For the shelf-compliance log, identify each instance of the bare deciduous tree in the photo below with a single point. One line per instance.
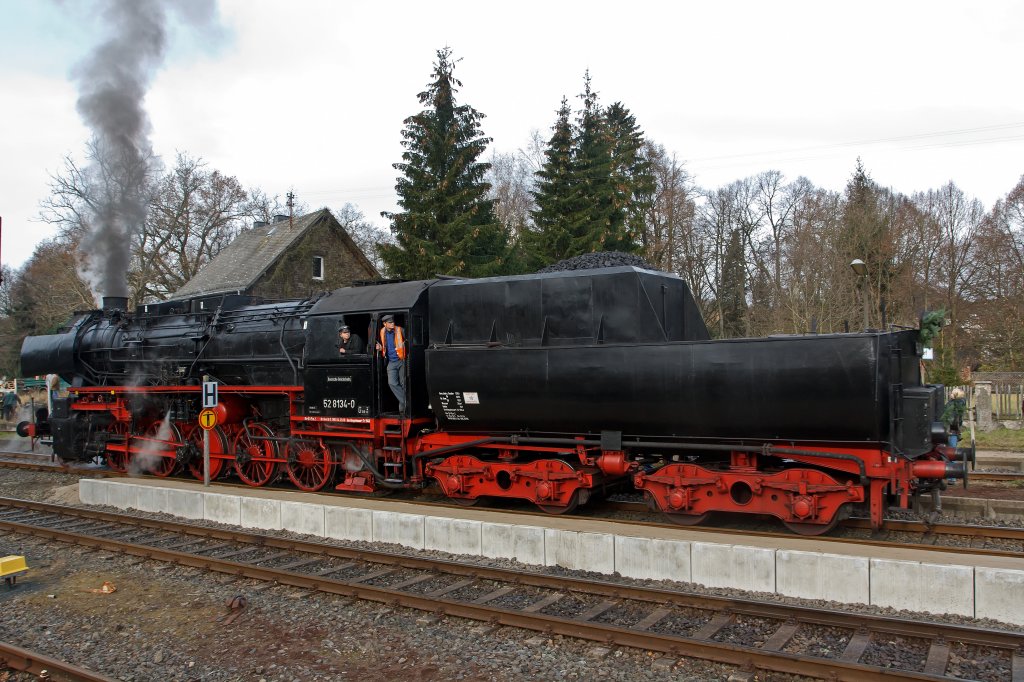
(193, 214)
(367, 235)
(512, 177)
(668, 224)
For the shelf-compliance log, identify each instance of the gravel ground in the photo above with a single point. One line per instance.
(167, 617)
(166, 622)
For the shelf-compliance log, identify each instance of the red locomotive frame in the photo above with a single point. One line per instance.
(815, 490)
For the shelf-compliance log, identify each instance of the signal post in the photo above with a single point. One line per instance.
(208, 421)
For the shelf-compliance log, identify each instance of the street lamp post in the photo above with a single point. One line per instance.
(860, 268)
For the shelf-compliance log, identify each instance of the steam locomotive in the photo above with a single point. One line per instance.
(551, 388)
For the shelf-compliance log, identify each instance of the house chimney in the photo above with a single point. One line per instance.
(280, 218)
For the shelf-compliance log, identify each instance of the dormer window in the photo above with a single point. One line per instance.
(318, 267)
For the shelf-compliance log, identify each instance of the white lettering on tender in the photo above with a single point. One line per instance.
(452, 406)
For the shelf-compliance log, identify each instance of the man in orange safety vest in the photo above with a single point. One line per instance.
(392, 348)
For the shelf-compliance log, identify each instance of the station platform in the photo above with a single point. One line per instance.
(917, 580)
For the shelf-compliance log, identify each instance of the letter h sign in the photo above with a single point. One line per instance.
(209, 394)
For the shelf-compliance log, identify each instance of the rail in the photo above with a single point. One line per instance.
(672, 622)
(45, 667)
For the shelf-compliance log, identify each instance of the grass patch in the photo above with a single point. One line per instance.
(1000, 439)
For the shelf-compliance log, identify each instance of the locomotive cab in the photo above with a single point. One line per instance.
(337, 384)
(349, 385)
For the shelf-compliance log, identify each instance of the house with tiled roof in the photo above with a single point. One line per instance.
(287, 258)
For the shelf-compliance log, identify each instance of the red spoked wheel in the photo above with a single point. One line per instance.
(118, 461)
(158, 450)
(310, 466)
(218, 452)
(256, 458)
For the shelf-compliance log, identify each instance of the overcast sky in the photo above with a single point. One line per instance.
(311, 96)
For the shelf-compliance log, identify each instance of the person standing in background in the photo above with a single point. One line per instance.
(10, 404)
(52, 391)
(953, 415)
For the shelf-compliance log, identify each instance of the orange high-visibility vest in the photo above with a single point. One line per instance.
(399, 342)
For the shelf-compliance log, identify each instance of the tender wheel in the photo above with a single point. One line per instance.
(555, 510)
(256, 459)
(218, 452)
(681, 519)
(158, 454)
(811, 529)
(466, 501)
(844, 512)
(309, 466)
(118, 461)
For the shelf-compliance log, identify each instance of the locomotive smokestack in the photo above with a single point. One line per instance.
(115, 303)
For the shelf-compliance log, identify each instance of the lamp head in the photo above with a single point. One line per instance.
(859, 267)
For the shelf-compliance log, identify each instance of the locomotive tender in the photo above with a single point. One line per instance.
(548, 387)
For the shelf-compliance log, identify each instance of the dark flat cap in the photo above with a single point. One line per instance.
(388, 318)
(344, 328)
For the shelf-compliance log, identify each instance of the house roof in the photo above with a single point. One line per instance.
(242, 262)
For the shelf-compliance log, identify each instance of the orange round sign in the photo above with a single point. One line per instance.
(208, 419)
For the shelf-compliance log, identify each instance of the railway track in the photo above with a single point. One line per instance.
(930, 534)
(997, 476)
(751, 634)
(44, 667)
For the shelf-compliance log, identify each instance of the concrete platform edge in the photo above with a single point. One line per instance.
(965, 590)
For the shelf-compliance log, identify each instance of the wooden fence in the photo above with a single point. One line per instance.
(1007, 400)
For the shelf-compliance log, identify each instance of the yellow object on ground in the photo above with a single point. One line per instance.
(11, 567)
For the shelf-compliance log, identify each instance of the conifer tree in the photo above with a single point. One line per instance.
(865, 233)
(447, 225)
(595, 185)
(733, 292)
(632, 175)
(605, 226)
(558, 214)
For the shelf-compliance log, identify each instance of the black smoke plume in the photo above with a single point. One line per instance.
(113, 81)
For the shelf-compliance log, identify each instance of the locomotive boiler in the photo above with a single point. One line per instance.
(551, 388)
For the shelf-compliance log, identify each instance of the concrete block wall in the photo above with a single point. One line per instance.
(915, 586)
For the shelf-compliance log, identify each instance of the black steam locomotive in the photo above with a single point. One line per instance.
(548, 387)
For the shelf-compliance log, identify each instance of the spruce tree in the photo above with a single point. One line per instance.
(595, 184)
(632, 175)
(447, 225)
(865, 232)
(733, 293)
(558, 216)
(604, 228)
